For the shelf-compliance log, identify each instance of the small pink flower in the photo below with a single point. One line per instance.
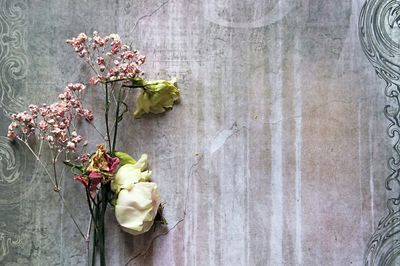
(94, 80)
(13, 126)
(62, 137)
(77, 139)
(84, 158)
(88, 114)
(56, 131)
(75, 87)
(44, 111)
(11, 135)
(100, 60)
(33, 108)
(62, 125)
(114, 50)
(128, 55)
(99, 41)
(124, 67)
(141, 59)
(71, 146)
(83, 53)
(113, 71)
(43, 125)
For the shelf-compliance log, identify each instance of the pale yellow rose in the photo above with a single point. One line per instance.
(129, 174)
(157, 96)
(137, 207)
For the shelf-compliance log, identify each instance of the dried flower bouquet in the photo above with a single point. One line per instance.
(108, 176)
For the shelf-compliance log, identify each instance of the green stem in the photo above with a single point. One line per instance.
(115, 80)
(99, 228)
(116, 122)
(89, 200)
(104, 201)
(94, 246)
(56, 187)
(134, 86)
(107, 107)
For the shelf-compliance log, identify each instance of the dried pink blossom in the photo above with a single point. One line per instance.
(11, 135)
(77, 139)
(108, 55)
(52, 123)
(84, 158)
(71, 146)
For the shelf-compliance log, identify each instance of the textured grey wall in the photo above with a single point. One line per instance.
(276, 152)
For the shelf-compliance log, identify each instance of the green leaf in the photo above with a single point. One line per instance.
(74, 166)
(124, 158)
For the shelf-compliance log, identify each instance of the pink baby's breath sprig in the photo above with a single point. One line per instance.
(110, 59)
(53, 123)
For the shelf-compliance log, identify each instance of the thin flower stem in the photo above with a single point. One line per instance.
(70, 214)
(40, 147)
(97, 130)
(38, 159)
(56, 187)
(133, 86)
(114, 80)
(113, 93)
(107, 107)
(89, 228)
(87, 240)
(93, 200)
(116, 121)
(94, 246)
(102, 227)
(54, 184)
(58, 190)
(126, 97)
(62, 175)
(96, 230)
(90, 202)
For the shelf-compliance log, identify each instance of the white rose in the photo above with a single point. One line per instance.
(137, 207)
(129, 174)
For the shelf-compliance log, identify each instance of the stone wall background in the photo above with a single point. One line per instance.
(276, 154)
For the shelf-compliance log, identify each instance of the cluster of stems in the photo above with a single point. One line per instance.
(98, 204)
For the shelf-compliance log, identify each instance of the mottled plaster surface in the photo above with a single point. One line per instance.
(275, 155)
